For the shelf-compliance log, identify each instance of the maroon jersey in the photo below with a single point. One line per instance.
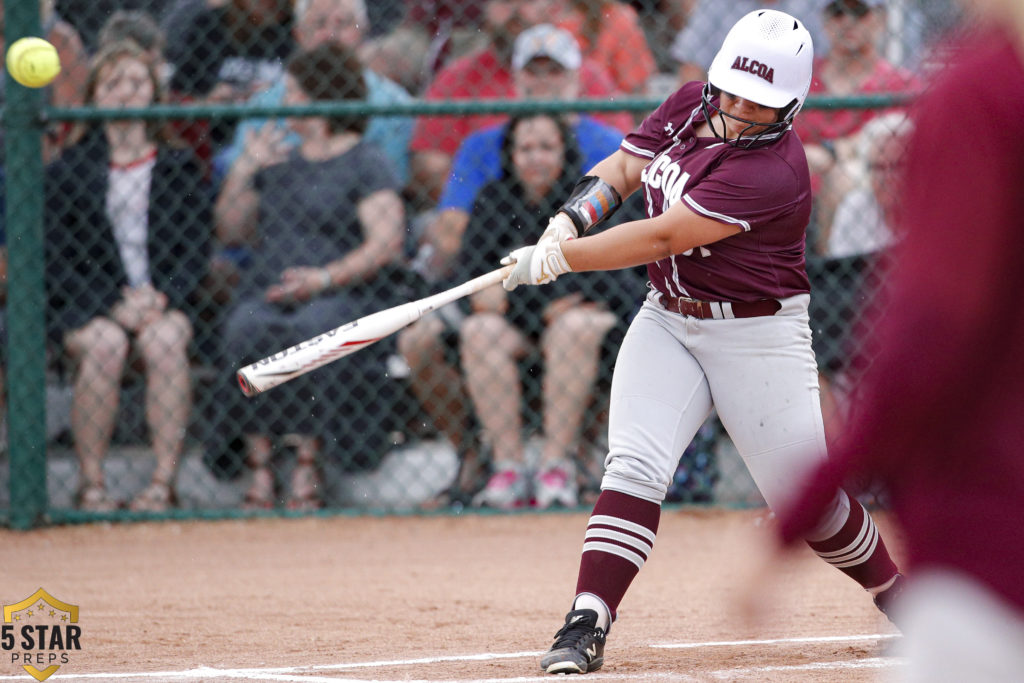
(941, 416)
(766, 191)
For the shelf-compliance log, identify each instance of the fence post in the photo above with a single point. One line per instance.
(26, 297)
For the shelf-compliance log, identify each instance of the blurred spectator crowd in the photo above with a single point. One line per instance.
(178, 251)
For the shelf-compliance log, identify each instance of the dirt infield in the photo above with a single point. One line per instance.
(430, 598)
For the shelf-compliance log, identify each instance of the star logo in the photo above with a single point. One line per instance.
(30, 634)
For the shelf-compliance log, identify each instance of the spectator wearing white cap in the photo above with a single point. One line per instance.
(546, 40)
(546, 63)
(853, 66)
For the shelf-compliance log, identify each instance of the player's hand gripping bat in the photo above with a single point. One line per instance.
(349, 338)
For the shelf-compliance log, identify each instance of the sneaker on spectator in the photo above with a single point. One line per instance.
(505, 490)
(556, 485)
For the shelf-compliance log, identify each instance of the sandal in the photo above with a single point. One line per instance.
(305, 484)
(94, 498)
(305, 494)
(159, 496)
(261, 494)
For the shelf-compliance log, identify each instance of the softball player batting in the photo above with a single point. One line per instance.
(724, 325)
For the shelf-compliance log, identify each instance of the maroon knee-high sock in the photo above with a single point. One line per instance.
(619, 539)
(857, 549)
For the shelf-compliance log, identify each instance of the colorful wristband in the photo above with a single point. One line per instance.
(592, 201)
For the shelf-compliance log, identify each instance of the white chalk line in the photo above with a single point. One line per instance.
(776, 641)
(291, 674)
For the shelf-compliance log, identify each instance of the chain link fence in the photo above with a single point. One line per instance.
(287, 166)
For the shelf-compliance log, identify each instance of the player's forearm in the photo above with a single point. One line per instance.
(623, 246)
(640, 242)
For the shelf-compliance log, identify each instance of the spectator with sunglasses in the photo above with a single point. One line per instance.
(848, 279)
(853, 65)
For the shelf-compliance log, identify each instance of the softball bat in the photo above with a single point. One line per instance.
(345, 340)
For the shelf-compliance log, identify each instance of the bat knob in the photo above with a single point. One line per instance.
(247, 388)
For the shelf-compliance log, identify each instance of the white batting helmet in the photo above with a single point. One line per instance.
(766, 58)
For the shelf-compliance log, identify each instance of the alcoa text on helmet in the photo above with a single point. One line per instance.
(765, 58)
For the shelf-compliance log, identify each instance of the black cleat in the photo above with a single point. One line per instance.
(579, 645)
(890, 597)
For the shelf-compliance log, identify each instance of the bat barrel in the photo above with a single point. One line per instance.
(330, 346)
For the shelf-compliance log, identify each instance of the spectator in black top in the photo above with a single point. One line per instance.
(127, 234)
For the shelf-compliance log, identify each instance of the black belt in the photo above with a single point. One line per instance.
(720, 310)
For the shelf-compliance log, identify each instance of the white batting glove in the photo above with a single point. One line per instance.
(537, 265)
(560, 227)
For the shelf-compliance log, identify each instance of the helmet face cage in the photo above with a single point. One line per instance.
(769, 134)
